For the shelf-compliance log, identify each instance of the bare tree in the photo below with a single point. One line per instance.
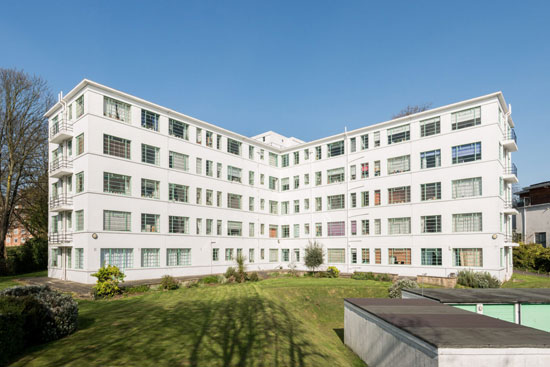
(24, 99)
(410, 110)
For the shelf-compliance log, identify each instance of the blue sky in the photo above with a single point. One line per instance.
(303, 69)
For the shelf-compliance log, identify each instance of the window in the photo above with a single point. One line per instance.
(115, 184)
(318, 229)
(430, 191)
(218, 170)
(467, 222)
(79, 178)
(80, 144)
(399, 164)
(251, 255)
(150, 222)
(318, 178)
(430, 127)
(215, 254)
(149, 154)
(178, 129)
(233, 146)
(353, 228)
(376, 139)
(399, 225)
(336, 229)
(318, 153)
(306, 204)
(273, 205)
(273, 161)
(79, 218)
(178, 161)
(234, 201)
(364, 199)
(273, 231)
(376, 168)
(467, 153)
(466, 118)
(306, 154)
(335, 175)
(296, 257)
(296, 206)
(251, 204)
(199, 196)
(150, 189)
(285, 230)
(399, 134)
(117, 147)
(198, 135)
(306, 229)
(377, 197)
(273, 255)
(318, 204)
(233, 174)
(209, 197)
(234, 228)
(296, 231)
(218, 141)
(150, 257)
(116, 109)
(540, 238)
(79, 258)
(335, 149)
(431, 256)
(365, 256)
(219, 227)
(250, 229)
(353, 199)
(336, 255)
(430, 159)
(285, 160)
(296, 182)
(123, 258)
(228, 254)
(284, 207)
(251, 177)
(178, 192)
(352, 172)
(198, 166)
(285, 184)
(353, 145)
(178, 224)
(209, 168)
(209, 139)
(430, 224)
(399, 256)
(79, 106)
(399, 195)
(182, 256)
(467, 187)
(365, 227)
(335, 202)
(116, 221)
(273, 183)
(468, 257)
(364, 170)
(149, 120)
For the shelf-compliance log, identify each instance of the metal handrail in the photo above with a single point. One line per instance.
(59, 200)
(511, 135)
(60, 126)
(60, 163)
(60, 237)
(511, 170)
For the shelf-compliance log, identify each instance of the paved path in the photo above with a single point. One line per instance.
(79, 289)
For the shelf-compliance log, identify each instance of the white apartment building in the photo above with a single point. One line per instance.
(157, 192)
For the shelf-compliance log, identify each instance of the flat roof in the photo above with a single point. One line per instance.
(486, 295)
(445, 326)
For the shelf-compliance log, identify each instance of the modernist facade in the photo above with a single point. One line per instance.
(157, 192)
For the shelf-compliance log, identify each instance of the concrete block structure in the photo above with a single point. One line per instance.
(533, 220)
(156, 192)
(425, 333)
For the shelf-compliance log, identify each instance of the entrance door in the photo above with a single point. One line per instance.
(66, 260)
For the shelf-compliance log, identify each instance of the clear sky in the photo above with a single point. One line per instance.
(303, 69)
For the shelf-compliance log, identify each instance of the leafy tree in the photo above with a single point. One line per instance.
(314, 255)
(412, 109)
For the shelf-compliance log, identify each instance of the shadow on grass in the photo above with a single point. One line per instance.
(340, 334)
(232, 331)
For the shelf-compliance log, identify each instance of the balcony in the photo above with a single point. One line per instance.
(509, 208)
(61, 167)
(60, 237)
(510, 174)
(61, 203)
(60, 130)
(510, 141)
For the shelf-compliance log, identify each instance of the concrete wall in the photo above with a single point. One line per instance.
(491, 357)
(531, 219)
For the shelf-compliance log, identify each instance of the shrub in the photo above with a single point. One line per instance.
(168, 283)
(240, 275)
(383, 277)
(254, 277)
(211, 279)
(192, 284)
(357, 275)
(333, 272)
(314, 256)
(222, 279)
(12, 328)
(30, 256)
(136, 289)
(108, 278)
(394, 291)
(230, 272)
(473, 279)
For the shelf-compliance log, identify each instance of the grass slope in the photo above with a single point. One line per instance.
(8, 281)
(527, 281)
(275, 322)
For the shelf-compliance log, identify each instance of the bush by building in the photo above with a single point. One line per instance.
(532, 257)
(108, 279)
(333, 272)
(314, 255)
(477, 279)
(168, 283)
(394, 291)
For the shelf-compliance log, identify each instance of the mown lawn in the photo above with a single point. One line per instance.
(527, 281)
(8, 281)
(274, 322)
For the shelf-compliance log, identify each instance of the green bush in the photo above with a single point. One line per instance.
(254, 277)
(136, 289)
(333, 272)
(12, 328)
(108, 279)
(532, 257)
(394, 291)
(168, 283)
(477, 279)
(314, 256)
(240, 275)
(230, 272)
(29, 257)
(384, 277)
(211, 279)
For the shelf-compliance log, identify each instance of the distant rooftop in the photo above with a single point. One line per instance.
(445, 326)
(491, 295)
(277, 140)
(540, 185)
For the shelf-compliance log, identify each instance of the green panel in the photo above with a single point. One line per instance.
(471, 308)
(536, 316)
(502, 312)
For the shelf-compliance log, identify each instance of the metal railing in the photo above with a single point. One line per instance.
(60, 200)
(60, 237)
(60, 163)
(60, 126)
(511, 170)
(511, 135)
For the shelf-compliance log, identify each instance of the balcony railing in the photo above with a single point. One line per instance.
(511, 170)
(60, 163)
(60, 237)
(60, 200)
(511, 135)
(60, 127)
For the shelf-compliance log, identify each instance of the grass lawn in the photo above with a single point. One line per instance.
(527, 281)
(274, 322)
(8, 281)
